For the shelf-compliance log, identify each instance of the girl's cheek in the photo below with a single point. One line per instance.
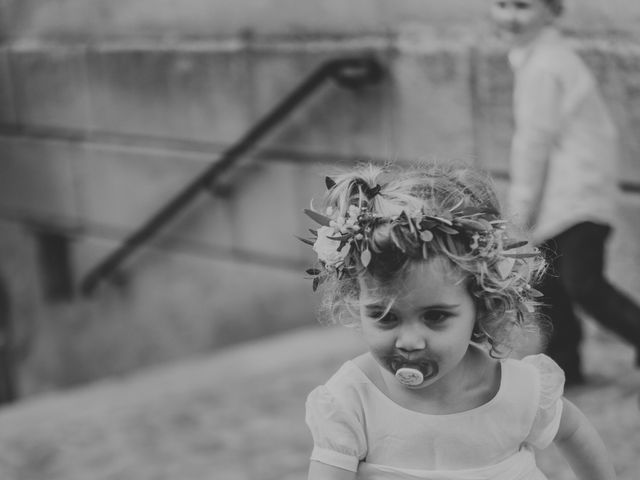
(377, 343)
(381, 352)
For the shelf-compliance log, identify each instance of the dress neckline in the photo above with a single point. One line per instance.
(499, 393)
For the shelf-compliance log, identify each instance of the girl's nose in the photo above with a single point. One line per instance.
(410, 339)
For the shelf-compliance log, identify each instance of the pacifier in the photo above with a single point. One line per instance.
(410, 377)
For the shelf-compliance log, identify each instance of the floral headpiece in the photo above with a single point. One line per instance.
(346, 243)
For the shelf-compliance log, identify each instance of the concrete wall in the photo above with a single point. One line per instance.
(71, 20)
(96, 135)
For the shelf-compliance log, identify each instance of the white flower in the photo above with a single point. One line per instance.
(327, 248)
(352, 213)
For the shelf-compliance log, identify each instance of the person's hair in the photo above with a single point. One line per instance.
(556, 6)
(386, 219)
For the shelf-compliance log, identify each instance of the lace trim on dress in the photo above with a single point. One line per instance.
(551, 387)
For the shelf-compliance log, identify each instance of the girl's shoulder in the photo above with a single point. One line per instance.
(540, 372)
(351, 373)
(547, 384)
(538, 364)
(343, 394)
(347, 382)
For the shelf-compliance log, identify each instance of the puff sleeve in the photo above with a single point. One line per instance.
(338, 435)
(549, 410)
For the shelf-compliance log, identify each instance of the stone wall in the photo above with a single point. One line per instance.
(100, 20)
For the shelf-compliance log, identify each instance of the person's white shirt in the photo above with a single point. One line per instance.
(564, 153)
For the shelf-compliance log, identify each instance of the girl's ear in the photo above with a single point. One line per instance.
(477, 335)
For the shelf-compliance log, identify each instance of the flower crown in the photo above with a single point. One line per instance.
(346, 243)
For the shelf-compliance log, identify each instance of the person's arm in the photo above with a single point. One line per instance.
(582, 446)
(538, 126)
(321, 471)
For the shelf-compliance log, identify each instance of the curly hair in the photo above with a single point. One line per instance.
(505, 305)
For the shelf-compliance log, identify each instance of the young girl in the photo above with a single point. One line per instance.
(422, 264)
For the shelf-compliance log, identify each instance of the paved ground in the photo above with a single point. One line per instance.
(238, 415)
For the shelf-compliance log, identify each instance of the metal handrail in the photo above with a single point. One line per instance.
(347, 72)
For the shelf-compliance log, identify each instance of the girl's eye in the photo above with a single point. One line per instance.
(435, 317)
(383, 320)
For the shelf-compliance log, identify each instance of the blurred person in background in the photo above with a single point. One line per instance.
(563, 169)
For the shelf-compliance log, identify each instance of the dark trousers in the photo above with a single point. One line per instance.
(576, 277)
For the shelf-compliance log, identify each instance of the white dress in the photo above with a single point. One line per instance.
(355, 426)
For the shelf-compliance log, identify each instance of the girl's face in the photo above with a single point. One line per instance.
(427, 327)
(520, 21)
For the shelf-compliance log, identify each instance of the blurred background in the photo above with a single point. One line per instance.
(155, 160)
